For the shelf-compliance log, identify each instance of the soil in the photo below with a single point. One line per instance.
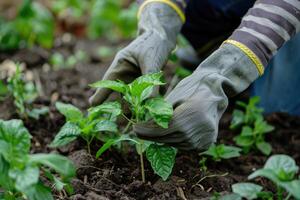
(117, 176)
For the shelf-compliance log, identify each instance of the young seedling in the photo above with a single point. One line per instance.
(247, 117)
(255, 137)
(3, 90)
(219, 152)
(145, 108)
(24, 94)
(20, 171)
(281, 170)
(100, 119)
(251, 191)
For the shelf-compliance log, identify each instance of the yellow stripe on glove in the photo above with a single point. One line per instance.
(168, 2)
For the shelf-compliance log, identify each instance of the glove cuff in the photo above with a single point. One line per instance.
(178, 8)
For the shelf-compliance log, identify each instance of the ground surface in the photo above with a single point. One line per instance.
(117, 176)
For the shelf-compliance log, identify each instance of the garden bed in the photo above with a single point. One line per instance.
(117, 176)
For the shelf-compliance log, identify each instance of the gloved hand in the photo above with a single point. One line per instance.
(201, 99)
(158, 28)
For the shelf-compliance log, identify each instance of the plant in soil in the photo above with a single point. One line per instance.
(33, 25)
(255, 137)
(24, 93)
(222, 151)
(144, 108)
(98, 123)
(253, 127)
(282, 171)
(20, 171)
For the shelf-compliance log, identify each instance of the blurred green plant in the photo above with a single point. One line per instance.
(109, 18)
(59, 61)
(20, 171)
(33, 25)
(24, 93)
(73, 8)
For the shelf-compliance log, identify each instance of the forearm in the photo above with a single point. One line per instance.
(265, 28)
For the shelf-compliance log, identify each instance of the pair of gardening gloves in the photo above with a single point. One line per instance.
(198, 100)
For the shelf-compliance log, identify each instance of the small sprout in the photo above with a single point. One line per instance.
(255, 137)
(222, 151)
(202, 164)
(100, 119)
(20, 170)
(247, 117)
(24, 94)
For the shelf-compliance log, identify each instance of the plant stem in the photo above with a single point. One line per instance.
(288, 196)
(142, 165)
(279, 193)
(89, 147)
(127, 127)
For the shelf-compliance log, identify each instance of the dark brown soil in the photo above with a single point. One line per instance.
(117, 176)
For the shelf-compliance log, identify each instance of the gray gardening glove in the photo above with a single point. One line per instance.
(158, 28)
(201, 99)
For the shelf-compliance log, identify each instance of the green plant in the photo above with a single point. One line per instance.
(58, 61)
(254, 127)
(281, 170)
(20, 171)
(33, 25)
(255, 137)
(219, 152)
(73, 8)
(247, 117)
(100, 119)
(105, 21)
(144, 108)
(24, 94)
(3, 90)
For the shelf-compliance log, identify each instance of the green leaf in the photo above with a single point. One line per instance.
(230, 197)
(160, 110)
(117, 86)
(5, 182)
(114, 141)
(68, 133)
(222, 152)
(162, 159)
(264, 147)
(112, 108)
(38, 192)
(59, 163)
(25, 178)
(37, 112)
(237, 119)
(3, 89)
(283, 166)
(292, 187)
(247, 190)
(71, 113)
(105, 125)
(262, 126)
(138, 86)
(244, 141)
(247, 131)
(16, 140)
(267, 173)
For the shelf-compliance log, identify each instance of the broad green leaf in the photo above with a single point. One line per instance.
(117, 86)
(293, 187)
(261, 126)
(283, 166)
(59, 163)
(247, 190)
(247, 131)
(68, 133)
(5, 181)
(38, 192)
(106, 125)
(244, 141)
(237, 119)
(71, 113)
(222, 152)
(114, 141)
(264, 147)
(138, 86)
(112, 108)
(17, 140)
(267, 173)
(162, 159)
(160, 110)
(25, 178)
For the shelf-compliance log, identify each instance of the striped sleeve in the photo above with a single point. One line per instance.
(265, 28)
(178, 5)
